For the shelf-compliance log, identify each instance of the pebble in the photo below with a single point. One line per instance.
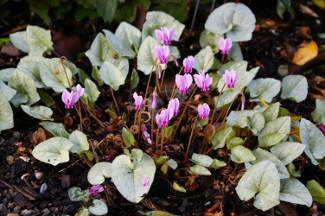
(46, 212)
(12, 214)
(3, 208)
(17, 208)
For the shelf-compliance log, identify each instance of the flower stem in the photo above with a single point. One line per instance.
(114, 100)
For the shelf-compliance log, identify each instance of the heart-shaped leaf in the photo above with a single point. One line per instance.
(122, 49)
(235, 20)
(199, 170)
(19, 40)
(76, 194)
(39, 112)
(210, 39)
(239, 118)
(53, 151)
(219, 138)
(286, 152)
(128, 137)
(271, 112)
(294, 191)
(98, 207)
(203, 61)
(263, 179)
(80, 142)
(6, 114)
(294, 87)
(203, 160)
(274, 131)
(30, 66)
(90, 94)
(128, 176)
(240, 154)
(129, 35)
(256, 123)
(146, 57)
(112, 75)
(57, 129)
(266, 88)
(318, 114)
(97, 174)
(316, 191)
(314, 140)
(39, 40)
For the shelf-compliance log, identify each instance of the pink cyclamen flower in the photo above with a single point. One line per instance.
(165, 35)
(96, 189)
(188, 64)
(162, 53)
(70, 98)
(322, 128)
(145, 134)
(203, 81)
(162, 119)
(145, 181)
(203, 110)
(183, 82)
(230, 78)
(225, 45)
(138, 100)
(174, 105)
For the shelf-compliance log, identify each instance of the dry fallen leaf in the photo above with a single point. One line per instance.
(305, 53)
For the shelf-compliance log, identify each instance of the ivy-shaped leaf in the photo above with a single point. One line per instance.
(39, 41)
(294, 87)
(39, 112)
(286, 152)
(293, 191)
(97, 173)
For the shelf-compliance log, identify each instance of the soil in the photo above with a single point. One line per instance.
(273, 44)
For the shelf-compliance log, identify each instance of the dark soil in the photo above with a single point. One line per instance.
(273, 44)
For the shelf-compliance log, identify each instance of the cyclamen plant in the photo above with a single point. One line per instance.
(254, 142)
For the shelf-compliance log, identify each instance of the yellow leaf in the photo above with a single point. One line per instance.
(305, 53)
(319, 3)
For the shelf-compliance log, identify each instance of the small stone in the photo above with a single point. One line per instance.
(46, 212)
(12, 214)
(10, 159)
(3, 208)
(17, 208)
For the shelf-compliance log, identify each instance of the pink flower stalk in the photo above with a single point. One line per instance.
(183, 82)
(203, 110)
(70, 98)
(162, 119)
(174, 105)
(165, 35)
(145, 181)
(96, 189)
(145, 134)
(203, 81)
(225, 45)
(154, 99)
(138, 100)
(230, 78)
(162, 53)
(188, 64)
(322, 128)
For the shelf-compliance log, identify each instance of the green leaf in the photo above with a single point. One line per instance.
(106, 9)
(128, 176)
(226, 98)
(235, 141)
(294, 87)
(97, 173)
(219, 138)
(57, 129)
(203, 61)
(30, 66)
(134, 79)
(203, 160)
(112, 75)
(318, 114)
(199, 170)
(284, 5)
(216, 164)
(262, 155)
(76, 194)
(293, 191)
(168, 131)
(172, 164)
(136, 154)
(256, 123)
(263, 179)
(156, 20)
(239, 118)
(202, 122)
(46, 97)
(19, 40)
(210, 39)
(129, 35)
(39, 112)
(146, 57)
(6, 74)
(96, 76)
(7, 90)
(100, 50)
(271, 112)
(274, 131)
(316, 191)
(56, 75)
(53, 151)
(90, 94)
(236, 65)
(25, 87)
(286, 152)
(80, 142)
(240, 154)
(235, 53)
(39, 41)
(314, 140)
(235, 20)
(179, 9)
(98, 207)
(117, 44)
(266, 88)
(128, 138)
(178, 188)
(6, 114)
